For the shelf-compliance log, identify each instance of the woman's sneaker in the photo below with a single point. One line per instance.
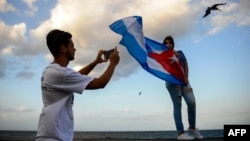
(195, 133)
(185, 136)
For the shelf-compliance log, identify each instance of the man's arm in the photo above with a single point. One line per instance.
(87, 69)
(103, 80)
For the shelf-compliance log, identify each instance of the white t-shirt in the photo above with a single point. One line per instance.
(58, 87)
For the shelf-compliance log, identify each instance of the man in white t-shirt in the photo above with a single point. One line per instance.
(59, 84)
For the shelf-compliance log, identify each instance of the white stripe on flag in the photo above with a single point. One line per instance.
(133, 28)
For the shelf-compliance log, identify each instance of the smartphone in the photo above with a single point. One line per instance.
(108, 52)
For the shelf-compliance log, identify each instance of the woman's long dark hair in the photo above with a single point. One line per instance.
(170, 38)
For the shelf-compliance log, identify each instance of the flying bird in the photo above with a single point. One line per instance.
(214, 7)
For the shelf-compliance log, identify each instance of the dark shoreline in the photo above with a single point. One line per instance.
(209, 135)
(85, 139)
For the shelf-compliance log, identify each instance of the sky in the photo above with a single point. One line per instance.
(217, 49)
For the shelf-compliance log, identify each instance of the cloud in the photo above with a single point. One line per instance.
(244, 6)
(33, 8)
(12, 38)
(16, 109)
(89, 21)
(126, 109)
(5, 7)
(15, 43)
(21, 109)
(14, 116)
(24, 74)
(244, 13)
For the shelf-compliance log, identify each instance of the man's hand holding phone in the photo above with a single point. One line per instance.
(107, 53)
(112, 55)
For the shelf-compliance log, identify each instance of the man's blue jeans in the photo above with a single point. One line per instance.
(177, 92)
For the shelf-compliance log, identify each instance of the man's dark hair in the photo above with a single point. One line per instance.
(55, 38)
(170, 38)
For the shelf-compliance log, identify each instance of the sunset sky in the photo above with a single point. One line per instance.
(217, 48)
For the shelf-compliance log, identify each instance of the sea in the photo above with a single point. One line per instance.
(116, 134)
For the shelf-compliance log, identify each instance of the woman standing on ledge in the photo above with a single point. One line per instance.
(177, 92)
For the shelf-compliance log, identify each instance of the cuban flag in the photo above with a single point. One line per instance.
(154, 57)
